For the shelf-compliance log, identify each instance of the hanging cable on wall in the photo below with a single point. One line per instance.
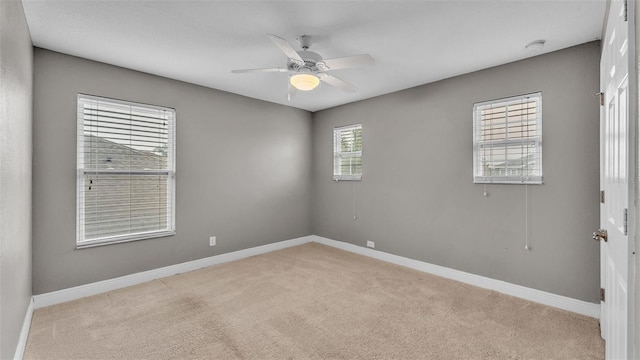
(355, 214)
(526, 217)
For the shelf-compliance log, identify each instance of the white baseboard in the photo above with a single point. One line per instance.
(538, 296)
(77, 292)
(24, 333)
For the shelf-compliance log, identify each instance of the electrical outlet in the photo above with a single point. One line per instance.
(371, 244)
(212, 241)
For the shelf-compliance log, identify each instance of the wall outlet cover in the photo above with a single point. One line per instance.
(371, 244)
(212, 241)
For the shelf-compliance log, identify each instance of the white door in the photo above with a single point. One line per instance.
(614, 175)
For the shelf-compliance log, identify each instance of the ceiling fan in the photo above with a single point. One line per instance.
(307, 68)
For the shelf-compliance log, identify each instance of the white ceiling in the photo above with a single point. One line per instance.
(413, 42)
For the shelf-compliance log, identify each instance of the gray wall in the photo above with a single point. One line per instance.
(417, 198)
(16, 67)
(242, 172)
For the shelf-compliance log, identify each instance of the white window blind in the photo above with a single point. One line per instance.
(507, 140)
(347, 152)
(126, 171)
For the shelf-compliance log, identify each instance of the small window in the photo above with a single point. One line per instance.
(126, 171)
(507, 140)
(347, 152)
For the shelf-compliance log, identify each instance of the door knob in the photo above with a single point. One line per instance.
(600, 234)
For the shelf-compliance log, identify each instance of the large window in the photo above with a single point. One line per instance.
(126, 171)
(347, 152)
(507, 140)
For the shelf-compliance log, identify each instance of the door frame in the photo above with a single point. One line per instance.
(633, 343)
(633, 329)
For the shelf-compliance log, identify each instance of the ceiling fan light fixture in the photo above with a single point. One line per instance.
(304, 82)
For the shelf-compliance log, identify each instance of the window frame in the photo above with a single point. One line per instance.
(536, 141)
(169, 172)
(338, 154)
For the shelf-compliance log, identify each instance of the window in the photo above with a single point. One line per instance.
(126, 171)
(507, 140)
(347, 152)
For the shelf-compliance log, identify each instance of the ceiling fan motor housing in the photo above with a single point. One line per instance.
(311, 60)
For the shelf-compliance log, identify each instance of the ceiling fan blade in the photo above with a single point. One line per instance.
(337, 82)
(276, 69)
(347, 62)
(286, 49)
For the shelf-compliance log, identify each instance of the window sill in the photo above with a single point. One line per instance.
(123, 239)
(536, 181)
(347, 178)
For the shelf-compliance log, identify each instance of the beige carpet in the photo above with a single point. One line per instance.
(309, 302)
